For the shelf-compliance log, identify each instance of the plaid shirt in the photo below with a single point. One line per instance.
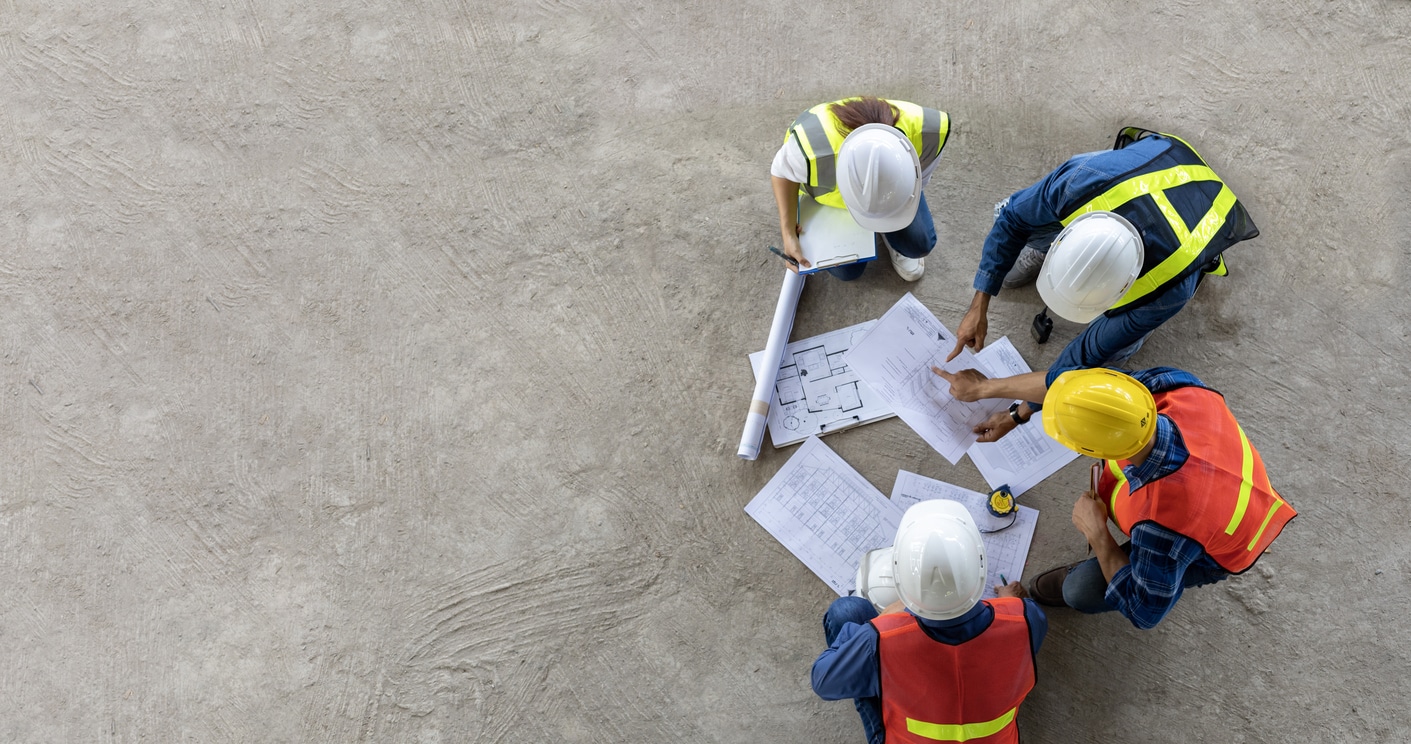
(1148, 588)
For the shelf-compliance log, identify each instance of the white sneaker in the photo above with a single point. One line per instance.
(1026, 269)
(909, 269)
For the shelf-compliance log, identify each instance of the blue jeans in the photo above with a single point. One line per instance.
(1085, 588)
(913, 241)
(856, 610)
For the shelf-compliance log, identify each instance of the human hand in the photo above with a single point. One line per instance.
(966, 386)
(792, 248)
(972, 331)
(994, 427)
(894, 607)
(1012, 589)
(1090, 516)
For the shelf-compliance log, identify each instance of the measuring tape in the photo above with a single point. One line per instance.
(1001, 502)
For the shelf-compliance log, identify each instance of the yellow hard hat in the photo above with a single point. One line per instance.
(1100, 412)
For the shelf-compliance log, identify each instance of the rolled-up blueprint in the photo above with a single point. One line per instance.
(769, 367)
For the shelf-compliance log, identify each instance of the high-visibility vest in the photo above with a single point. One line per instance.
(971, 692)
(1174, 249)
(817, 132)
(1221, 497)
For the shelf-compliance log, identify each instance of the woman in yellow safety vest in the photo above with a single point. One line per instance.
(873, 157)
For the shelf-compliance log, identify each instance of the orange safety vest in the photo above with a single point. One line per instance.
(1221, 497)
(970, 692)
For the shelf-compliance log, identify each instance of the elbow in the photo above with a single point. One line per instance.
(823, 686)
(1145, 621)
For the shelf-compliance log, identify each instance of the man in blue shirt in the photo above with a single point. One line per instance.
(1183, 214)
(905, 667)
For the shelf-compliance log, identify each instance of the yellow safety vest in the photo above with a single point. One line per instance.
(817, 132)
(1188, 248)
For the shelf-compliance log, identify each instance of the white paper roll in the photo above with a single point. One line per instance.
(779, 332)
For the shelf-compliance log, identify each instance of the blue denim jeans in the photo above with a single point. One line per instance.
(856, 610)
(1085, 588)
(913, 241)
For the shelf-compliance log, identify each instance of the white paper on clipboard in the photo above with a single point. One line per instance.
(831, 237)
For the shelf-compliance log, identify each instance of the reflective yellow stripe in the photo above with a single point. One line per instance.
(959, 732)
(1277, 503)
(1121, 481)
(1192, 242)
(1147, 183)
(1190, 249)
(1246, 482)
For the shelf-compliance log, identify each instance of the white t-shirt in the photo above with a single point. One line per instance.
(791, 165)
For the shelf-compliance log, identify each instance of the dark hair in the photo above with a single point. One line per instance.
(855, 112)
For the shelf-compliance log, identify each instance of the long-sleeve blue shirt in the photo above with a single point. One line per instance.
(849, 668)
(1041, 207)
(1145, 590)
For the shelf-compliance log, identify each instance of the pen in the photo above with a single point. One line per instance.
(1003, 580)
(846, 421)
(783, 255)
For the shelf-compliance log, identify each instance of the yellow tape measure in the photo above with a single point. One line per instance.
(1001, 503)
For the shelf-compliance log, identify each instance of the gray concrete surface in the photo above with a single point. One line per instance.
(374, 373)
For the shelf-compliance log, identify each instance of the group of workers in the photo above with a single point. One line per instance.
(1119, 240)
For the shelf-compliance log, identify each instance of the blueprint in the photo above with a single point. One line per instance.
(816, 393)
(826, 514)
(1005, 551)
(895, 360)
(1026, 455)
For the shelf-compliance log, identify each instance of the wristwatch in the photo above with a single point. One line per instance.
(1014, 413)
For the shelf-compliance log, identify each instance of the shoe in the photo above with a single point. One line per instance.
(1026, 269)
(909, 269)
(1047, 587)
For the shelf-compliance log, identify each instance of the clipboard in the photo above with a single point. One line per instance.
(831, 238)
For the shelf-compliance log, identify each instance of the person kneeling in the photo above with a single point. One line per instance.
(939, 663)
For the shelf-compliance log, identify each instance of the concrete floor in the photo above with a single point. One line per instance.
(375, 373)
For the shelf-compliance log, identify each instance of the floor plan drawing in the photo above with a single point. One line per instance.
(1026, 455)
(825, 513)
(896, 357)
(816, 393)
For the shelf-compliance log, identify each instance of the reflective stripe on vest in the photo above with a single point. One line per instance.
(1117, 487)
(822, 174)
(817, 133)
(1202, 500)
(1192, 242)
(962, 732)
(971, 691)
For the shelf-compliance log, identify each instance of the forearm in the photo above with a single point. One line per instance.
(1026, 387)
(1109, 554)
(786, 198)
(980, 302)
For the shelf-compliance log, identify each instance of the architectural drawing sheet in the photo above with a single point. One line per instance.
(815, 392)
(1026, 455)
(819, 508)
(895, 360)
(1005, 552)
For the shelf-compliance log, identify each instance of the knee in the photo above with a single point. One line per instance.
(847, 610)
(1085, 589)
(849, 272)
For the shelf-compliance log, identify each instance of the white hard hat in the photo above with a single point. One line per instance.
(938, 560)
(874, 578)
(879, 177)
(1091, 265)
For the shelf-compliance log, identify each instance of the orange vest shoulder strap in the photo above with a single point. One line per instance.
(894, 622)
